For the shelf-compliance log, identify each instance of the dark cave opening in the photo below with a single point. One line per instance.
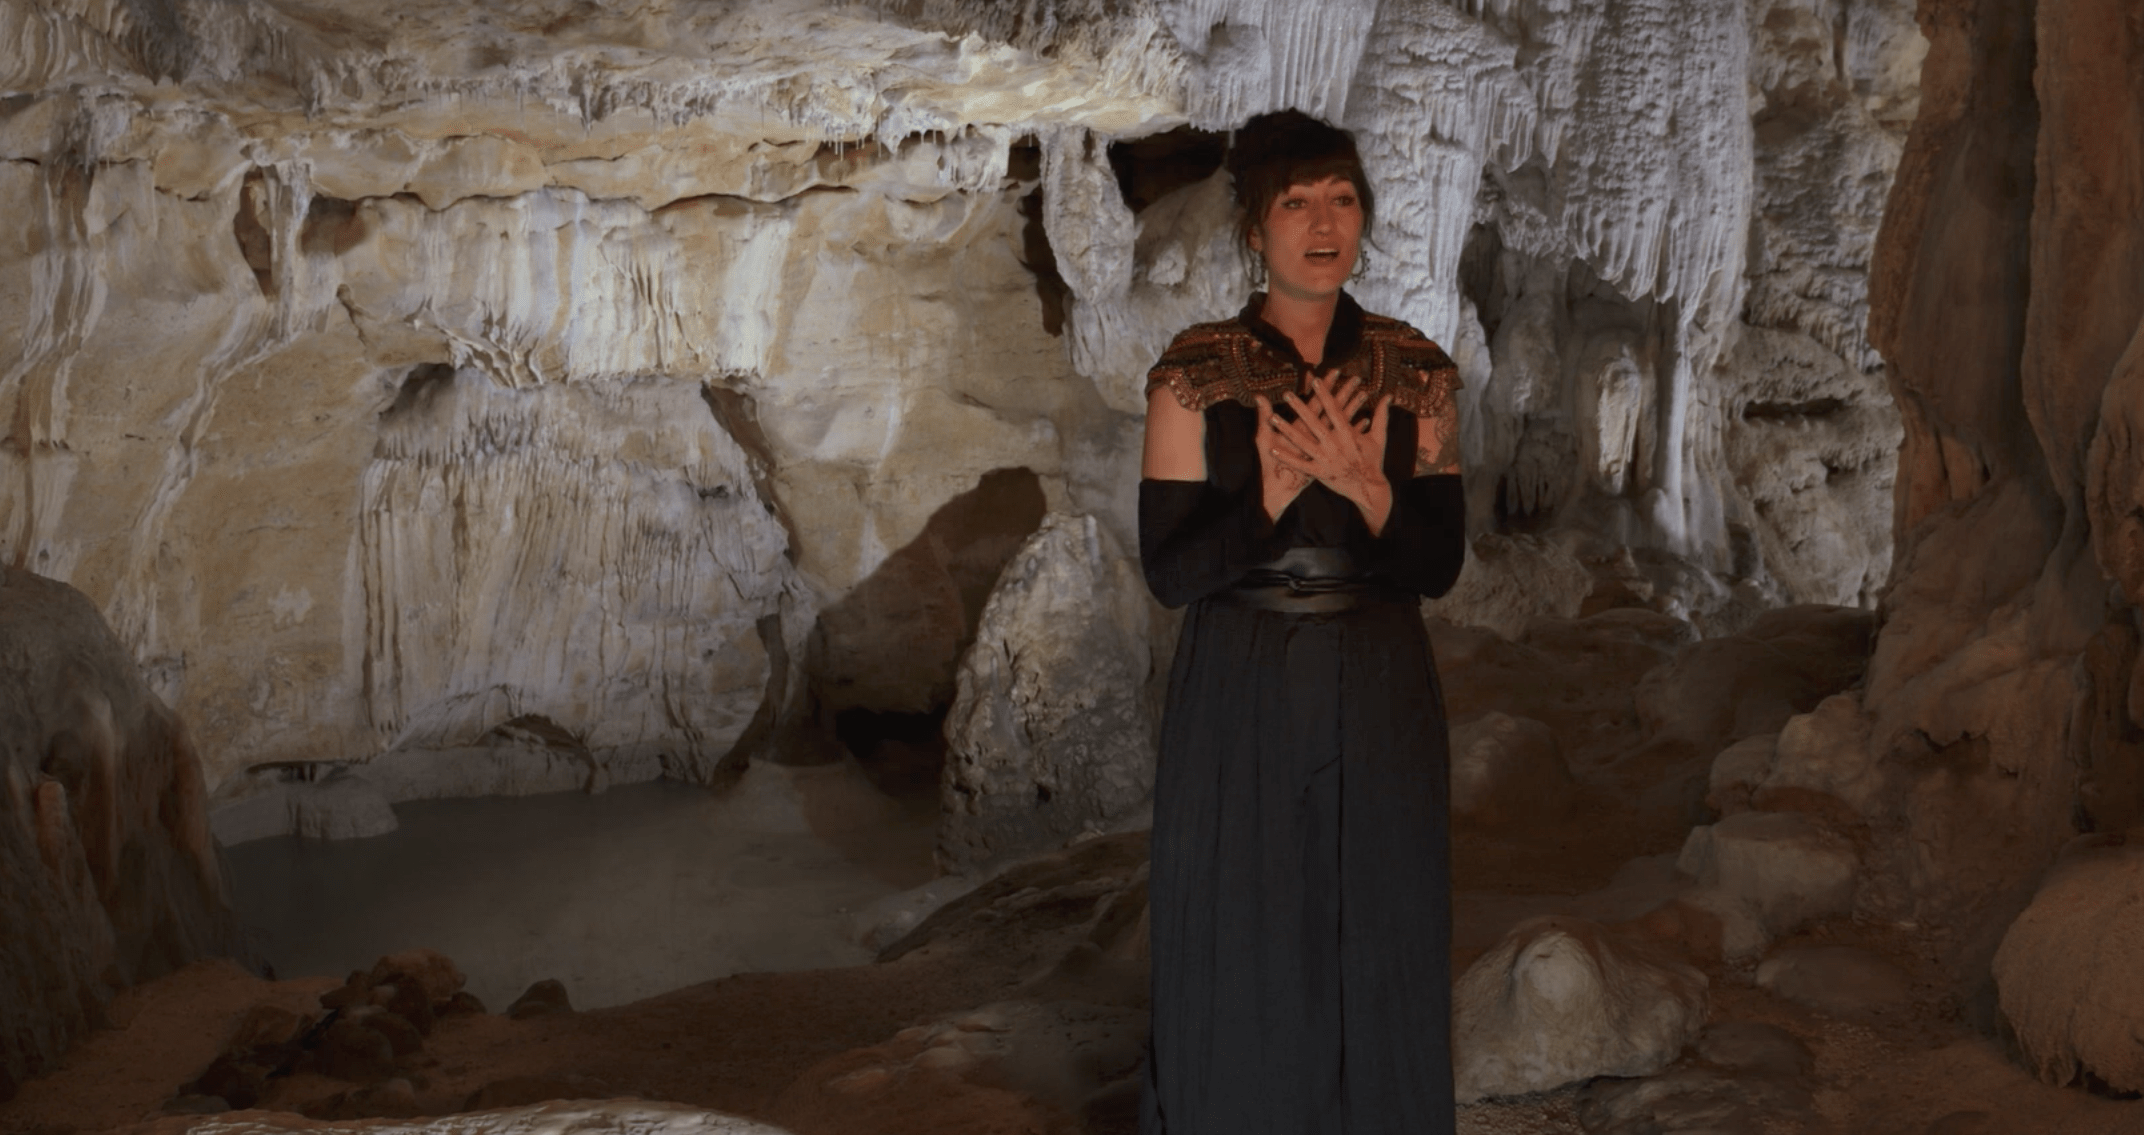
(254, 243)
(902, 754)
(1023, 165)
(1150, 168)
(894, 643)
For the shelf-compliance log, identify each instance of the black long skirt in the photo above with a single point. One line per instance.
(1301, 879)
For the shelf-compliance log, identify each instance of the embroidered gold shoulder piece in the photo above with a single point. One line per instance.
(1421, 378)
(1223, 361)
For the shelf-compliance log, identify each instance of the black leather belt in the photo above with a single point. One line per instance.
(1310, 581)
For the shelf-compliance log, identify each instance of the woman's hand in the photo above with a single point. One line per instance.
(1323, 443)
(1278, 483)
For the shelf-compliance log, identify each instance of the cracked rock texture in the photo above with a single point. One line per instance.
(1052, 734)
(632, 374)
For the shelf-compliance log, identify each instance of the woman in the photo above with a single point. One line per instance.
(1300, 492)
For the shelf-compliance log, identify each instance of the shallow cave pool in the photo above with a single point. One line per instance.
(622, 895)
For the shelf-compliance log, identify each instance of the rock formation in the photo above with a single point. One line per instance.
(1506, 772)
(1562, 1000)
(1052, 734)
(107, 873)
(2068, 970)
(640, 377)
(2008, 300)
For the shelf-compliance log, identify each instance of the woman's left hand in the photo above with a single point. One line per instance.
(1344, 457)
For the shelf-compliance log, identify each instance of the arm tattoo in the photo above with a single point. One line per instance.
(1437, 446)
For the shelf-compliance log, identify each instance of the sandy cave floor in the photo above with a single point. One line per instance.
(779, 1045)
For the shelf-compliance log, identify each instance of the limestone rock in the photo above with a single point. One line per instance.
(1508, 771)
(600, 399)
(1736, 686)
(108, 875)
(617, 1117)
(1070, 1058)
(1572, 675)
(1754, 1046)
(429, 971)
(1738, 771)
(1827, 751)
(1767, 873)
(890, 919)
(1050, 735)
(515, 1091)
(2018, 399)
(2070, 971)
(1508, 581)
(1691, 1099)
(315, 801)
(334, 800)
(1561, 1000)
(545, 997)
(1844, 981)
(1045, 903)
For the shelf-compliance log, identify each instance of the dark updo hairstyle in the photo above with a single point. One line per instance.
(1287, 147)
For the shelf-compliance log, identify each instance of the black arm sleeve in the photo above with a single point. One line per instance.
(1424, 543)
(1196, 538)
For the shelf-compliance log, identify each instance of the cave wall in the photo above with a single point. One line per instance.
(2008, 301)
(390, 379)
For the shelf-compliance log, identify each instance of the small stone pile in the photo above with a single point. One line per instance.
(370, 1031)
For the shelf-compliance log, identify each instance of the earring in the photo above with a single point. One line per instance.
(1258, 272)
(1362, 264)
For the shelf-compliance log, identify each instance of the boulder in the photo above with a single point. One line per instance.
(1511, 580)
(1561, 1000)
(1827, 751)
(108, 874)
(1691, 1099)
(1572, 675)
(1508, 771)
(1843, 981)
(882, 923)
(2069, 974)
(1740, 685)
(1028, 1066)
(1051, 734)
(1738, 771)
(1753, 1046)
(1766, 874)
(541, 999)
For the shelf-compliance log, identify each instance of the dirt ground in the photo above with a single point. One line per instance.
(1019, 1008)
(825, 1052)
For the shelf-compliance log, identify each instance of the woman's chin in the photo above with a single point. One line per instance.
(1311, 286)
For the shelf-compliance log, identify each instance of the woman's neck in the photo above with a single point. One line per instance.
(1305, 320)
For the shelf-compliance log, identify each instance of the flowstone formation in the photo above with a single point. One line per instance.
(2004, 700)
(411, 383)
(107, 873)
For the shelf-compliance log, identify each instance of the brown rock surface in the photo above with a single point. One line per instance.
(107, 873)
(2006, 294)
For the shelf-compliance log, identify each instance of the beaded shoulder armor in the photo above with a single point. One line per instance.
(1210, 363)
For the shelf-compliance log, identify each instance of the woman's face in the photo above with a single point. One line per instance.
(1309, 237)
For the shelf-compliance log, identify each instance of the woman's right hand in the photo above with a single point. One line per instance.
(1279, 485)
